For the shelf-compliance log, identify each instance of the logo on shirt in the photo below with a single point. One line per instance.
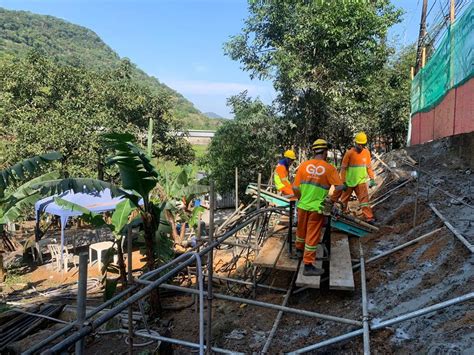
(315, 170)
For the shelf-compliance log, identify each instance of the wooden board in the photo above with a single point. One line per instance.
(310, 281)
(285, 262)
(268, 254)
(340, 266)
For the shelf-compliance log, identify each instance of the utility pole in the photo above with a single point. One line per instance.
(421, 36)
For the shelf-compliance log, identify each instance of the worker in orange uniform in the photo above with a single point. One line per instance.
(281, 176)
(311, 186)
(356, 165)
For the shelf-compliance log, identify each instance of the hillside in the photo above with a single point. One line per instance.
(75, 45)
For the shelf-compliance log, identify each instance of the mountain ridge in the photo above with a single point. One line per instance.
(76, 45)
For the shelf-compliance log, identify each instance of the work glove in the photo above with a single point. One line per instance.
(372, 183)
(327, 206)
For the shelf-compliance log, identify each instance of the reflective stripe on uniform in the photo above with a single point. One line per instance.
(364, 204)
(310, 248)
(299, 240)
(307, 182)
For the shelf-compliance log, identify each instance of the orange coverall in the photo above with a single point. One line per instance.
(282, 182)
(313, 181)
(354, 170)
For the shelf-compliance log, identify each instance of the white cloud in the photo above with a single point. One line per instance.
(201, 87)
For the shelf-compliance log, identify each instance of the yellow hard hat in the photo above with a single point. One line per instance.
(290, 154)
(361, 138)
(320, 144)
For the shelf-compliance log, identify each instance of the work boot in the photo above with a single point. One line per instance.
(372, 222)
(311, 270)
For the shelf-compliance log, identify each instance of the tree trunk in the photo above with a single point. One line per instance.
(149, 227)
(121, 264)
(172, 222)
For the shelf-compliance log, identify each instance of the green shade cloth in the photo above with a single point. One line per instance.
(451, 65)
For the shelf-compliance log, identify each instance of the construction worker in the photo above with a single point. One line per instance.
(311, 186)
(356, 166)
(282, 183)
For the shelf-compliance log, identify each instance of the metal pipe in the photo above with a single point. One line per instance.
(69, 327)
(130, 281)
(452, 229)
(90, 327)
(179, 342)
(391, 190)
(81, 298)
(250, 218)
(242, 282)
(264, 304)
(331, 341)
(387, 323)
(365, 312)
(391, 251)
(40, 316)
(210, 268)
(236, 188)
(278, 317)
(201, 303)
(423, 311)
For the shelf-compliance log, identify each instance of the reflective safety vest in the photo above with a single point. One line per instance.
(314, 179)
(356, 166)
(281, 177)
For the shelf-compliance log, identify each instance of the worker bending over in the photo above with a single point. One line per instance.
(356, 165)
(311, 186)
(281, 176)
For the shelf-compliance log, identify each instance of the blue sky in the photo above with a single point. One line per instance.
(180, 41)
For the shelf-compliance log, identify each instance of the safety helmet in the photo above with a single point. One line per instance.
(361, 138)
(320, 144)
(290, 154)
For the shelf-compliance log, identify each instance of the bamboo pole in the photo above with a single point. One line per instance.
(210, 269)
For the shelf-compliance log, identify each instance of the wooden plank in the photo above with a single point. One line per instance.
(285, 262)
(269, 252)
(311, 281)
(340, 267)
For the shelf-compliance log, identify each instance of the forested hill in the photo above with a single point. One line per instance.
(75, 45)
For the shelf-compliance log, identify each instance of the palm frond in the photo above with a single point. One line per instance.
(29, 166)
(136, 169)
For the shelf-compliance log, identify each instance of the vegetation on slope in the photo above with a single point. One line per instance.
(77, 46)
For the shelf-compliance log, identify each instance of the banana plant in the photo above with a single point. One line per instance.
(178, 191)
(14, 202)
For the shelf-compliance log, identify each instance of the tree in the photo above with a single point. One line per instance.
(251, 142)
(46, 106)
(319, 54)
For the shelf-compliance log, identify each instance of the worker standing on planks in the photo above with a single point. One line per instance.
(281, 176)
(356, 166)
(311, 186)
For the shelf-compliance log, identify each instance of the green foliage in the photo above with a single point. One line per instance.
(44, 106)
(251, 142)
(76, 46)
(16, 198)
(27, 167)
(322, 56)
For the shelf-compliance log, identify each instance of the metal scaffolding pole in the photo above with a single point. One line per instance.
(365, 312)
(186, 259)
(387, 323)
(252, 302)
(210, 269)
(180, 342)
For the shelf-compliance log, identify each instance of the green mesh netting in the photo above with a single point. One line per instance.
(446, 68)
